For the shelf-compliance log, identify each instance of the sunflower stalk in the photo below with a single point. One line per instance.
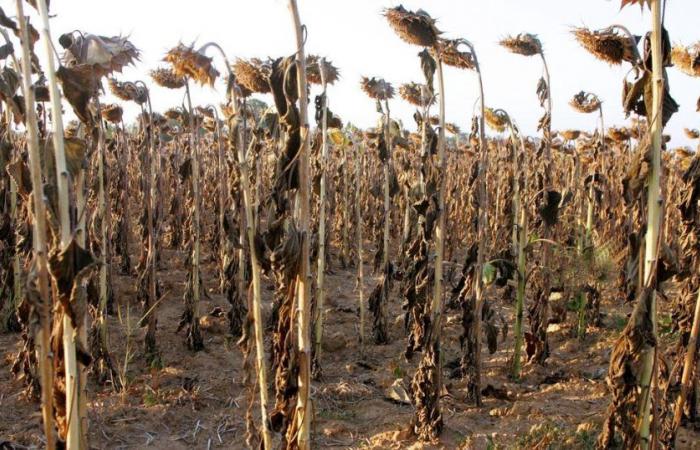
(345, 254)
(222, 191)
(304, 409)
(542, 355)
(520, 232)
(654, 213)
(689, 366)
(321, 261)
(105, 214)
(150, 345)
(74, 437)
(123, 162)
(237, 122)
(427, 381)
(586, 249)
(39, 238)
(482, 229)
(194, 336)
(16, 294)
(255, 266)
(387, 272)
(359, 153)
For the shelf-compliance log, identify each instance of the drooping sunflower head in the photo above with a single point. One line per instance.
(316, 64)
(585, 102)
(167, 78)
(621, 134)
(377, 88)
(608, 44)
(687, 59)
(112, 113)
(449, 53)
(128, 91)
(570, 135)
(691, 133)
(416, 28)
(496, 119)
(452, 128)
(189, 63)
(525, 44)
(416, 94)
(252, 74)
(104, 54)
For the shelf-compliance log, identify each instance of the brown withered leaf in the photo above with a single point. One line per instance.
(19, 172)
(641, 3)
(549, 208)
(7, 22)
(68, 267)
(428, 66)
(75, 150)
(33, 4)
(9, 84)
(185, 169)
(79, 86)
(6, 50)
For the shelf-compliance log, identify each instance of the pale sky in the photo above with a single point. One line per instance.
(357, 39)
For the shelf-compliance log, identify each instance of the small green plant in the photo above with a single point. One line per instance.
(150, 398)
(665, 324)
(544, 436)
(124, 378)
(619, 322)
(490, 445)
(586, 439)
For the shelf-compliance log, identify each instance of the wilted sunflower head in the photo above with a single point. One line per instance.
(607, 44)
(206, 111)
(105, 54)
(72, 129)
(128, 91)
(167, 78)
(210, 124)
(173, 114)
(452, 128)
(112, 113)
(684, 158)
(377, 88)
(525, 44)
(684, 155)
(619, 134)
(416, 28)
(496, 119)
(314, 66)
(416, 94)
(190, 63)
(687, 59)
(691, 134)
(449, 53)
(585, 102)
(158, 120)
(570, 135)
(252, 74)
